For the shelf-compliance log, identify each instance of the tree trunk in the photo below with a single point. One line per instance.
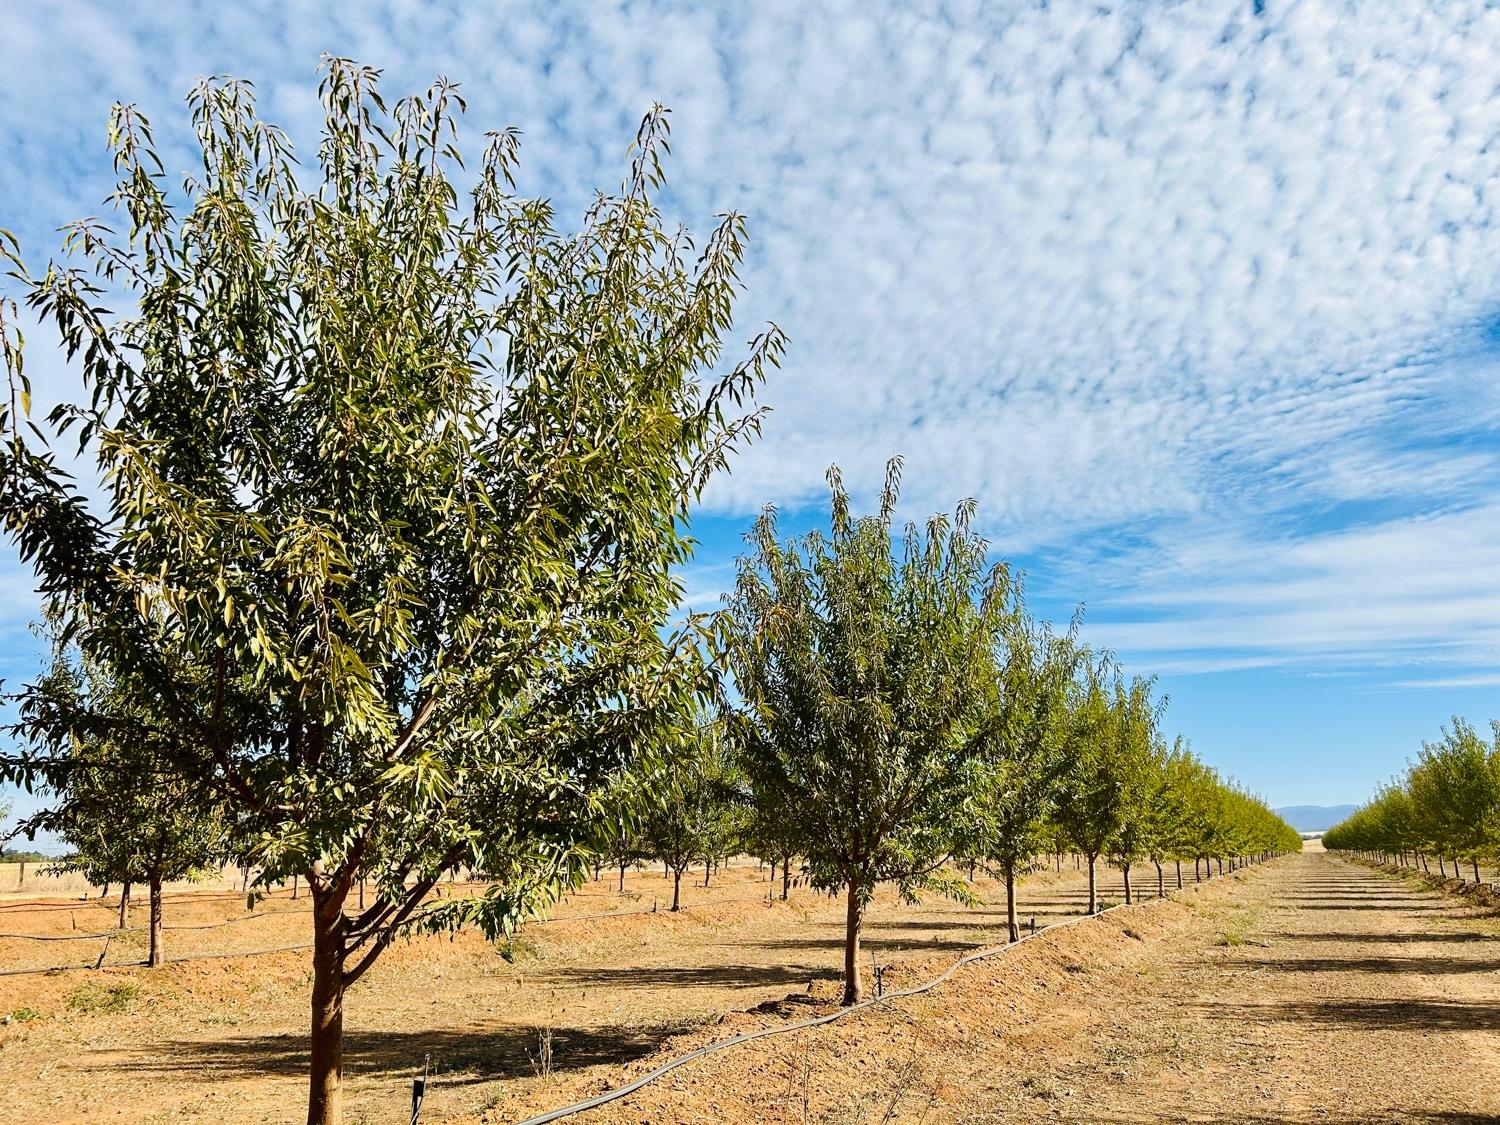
(1126, 869)
(1221, 865)
(1093, 897)
(677, 891)
(294, 888)
(155, 956)
(1010, 901)
(622, 878)
(1442, 871)
(124, 904)
(326, 1042)
(1160, 888)
(708, 869)
(1179, 874)
(1475, 862)
(786, 878)
(854, 918)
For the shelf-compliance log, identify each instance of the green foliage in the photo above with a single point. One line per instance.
(860, 665)
(1013, 780)
(124, 813)
(395, 477)
(698, 814)
(101, 999)
(21, 855)
(1448, 803)
(23, 1015)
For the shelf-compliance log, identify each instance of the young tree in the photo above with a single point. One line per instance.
(1136, 763)
(126, 816)
(1088, 805)
(1456, 792)
(1018, 760)
(859, 666)
(698, 810)
(395, 483)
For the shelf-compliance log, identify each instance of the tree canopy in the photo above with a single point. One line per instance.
(394, 481)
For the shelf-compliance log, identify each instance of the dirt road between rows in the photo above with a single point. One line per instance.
(1306, 990)
(1330, 993)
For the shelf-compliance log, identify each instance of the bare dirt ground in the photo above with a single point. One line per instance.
(1305, 990)
(223, 1039)
(1341, 995)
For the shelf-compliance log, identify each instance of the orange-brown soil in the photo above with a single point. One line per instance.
(1344, 996)
(222, 1039)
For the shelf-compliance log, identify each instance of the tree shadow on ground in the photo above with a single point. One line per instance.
(1369, 1015)
(873, 940)
(1416, 939)
(464, 1056)
(674, 976)
(1433, 965)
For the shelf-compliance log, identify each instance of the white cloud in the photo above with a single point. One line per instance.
(1182, 269)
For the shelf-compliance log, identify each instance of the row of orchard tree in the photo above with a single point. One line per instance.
(372, 577)
(899, 717)
(1446, 806)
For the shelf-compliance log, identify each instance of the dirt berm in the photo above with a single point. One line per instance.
(920, 1057)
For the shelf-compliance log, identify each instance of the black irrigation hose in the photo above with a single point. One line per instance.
(107, 935)
(781, 1029)
(169, 960)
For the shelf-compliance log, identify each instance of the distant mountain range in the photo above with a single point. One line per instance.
(1314, 818)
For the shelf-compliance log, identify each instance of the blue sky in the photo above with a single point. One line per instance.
(1201, 302)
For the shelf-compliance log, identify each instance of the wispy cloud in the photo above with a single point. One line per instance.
(1197, 302)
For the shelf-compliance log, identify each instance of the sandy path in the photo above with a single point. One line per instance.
(1347, 997)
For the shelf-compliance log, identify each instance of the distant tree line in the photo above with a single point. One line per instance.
(1444, 811)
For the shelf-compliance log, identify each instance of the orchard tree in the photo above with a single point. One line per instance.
(395, 476)
(125, 814)
(1111, 738)
(1456, 789)
(1019, 751)
(771, 832)
(1136, 761)
(859, 662)
(697, 814)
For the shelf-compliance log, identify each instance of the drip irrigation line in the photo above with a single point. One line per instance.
(107, 935)
(116, 931)
(171, 960)
(782, 1029)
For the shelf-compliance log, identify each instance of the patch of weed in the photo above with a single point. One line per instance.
(97, 998)
(514, 948)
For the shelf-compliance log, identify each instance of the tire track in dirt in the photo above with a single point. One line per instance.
(1329, 993)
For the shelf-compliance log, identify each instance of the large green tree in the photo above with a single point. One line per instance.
(859, 662)
(395, 476)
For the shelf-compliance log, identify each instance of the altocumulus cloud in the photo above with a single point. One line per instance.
(1197, 299)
